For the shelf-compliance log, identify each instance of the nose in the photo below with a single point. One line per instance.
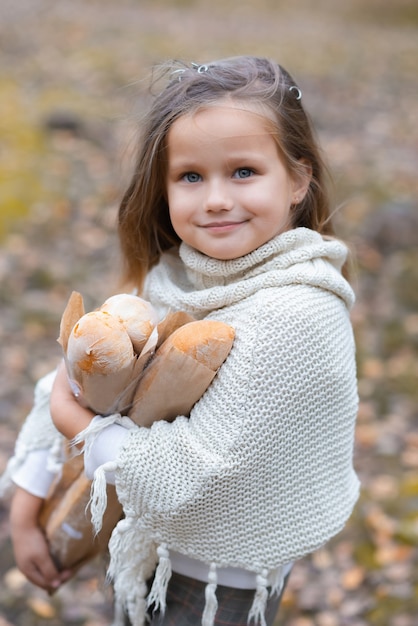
(218, 197)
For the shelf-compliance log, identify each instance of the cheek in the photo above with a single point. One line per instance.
(180, 204)
(173, 204)
(170, 195)
(172, 213)
(177, 215)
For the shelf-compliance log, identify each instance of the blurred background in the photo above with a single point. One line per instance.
(73, 84)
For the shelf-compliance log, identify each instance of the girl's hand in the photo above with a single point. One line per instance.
(68, 415)
(29, 543)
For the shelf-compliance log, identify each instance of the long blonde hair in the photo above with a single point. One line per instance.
(144, 225)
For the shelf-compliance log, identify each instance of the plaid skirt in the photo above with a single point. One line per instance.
(186, 600)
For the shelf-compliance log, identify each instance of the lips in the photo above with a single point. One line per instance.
(222, 224)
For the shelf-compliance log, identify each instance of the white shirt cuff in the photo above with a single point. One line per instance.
(105, 448)
(33, 475)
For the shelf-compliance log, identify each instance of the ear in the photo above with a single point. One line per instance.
(301, 180)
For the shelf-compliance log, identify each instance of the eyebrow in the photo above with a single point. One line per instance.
(181, 164)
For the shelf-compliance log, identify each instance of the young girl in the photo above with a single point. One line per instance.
(227, 218)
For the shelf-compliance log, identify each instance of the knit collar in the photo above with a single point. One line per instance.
(281, 252)
(190, 280)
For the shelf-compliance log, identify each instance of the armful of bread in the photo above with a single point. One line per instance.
(159, 372)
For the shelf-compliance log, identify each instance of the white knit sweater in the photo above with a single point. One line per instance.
(261, 473)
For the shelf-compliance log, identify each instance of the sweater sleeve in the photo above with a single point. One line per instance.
(37, 433)
(274, 428)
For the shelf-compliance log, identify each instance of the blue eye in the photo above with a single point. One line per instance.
(192, 177)
(243, 172)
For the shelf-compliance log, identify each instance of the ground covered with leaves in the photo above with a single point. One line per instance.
(72, 86)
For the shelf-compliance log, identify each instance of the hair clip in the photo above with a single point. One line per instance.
(200, 68)
(179, 72)
(299, 93)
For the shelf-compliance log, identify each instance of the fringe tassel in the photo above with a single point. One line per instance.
(157, 595)
(277, 581)
(132, 561)
(211, 603)
(260, 600)
(137, 605)
(98, 498)
(120, 546)
(97, 424)
(118, 614)
(130, 601)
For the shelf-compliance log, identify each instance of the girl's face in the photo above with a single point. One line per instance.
(228, 189)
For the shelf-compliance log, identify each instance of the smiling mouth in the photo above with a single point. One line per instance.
(223, 225)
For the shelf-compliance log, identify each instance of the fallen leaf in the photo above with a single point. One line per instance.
(393, 553)
(41, 607)
(367, 435)
(384, 487)
(373, 368)
(353, 578)
(382, 525)
(410, 457)
(327, 619)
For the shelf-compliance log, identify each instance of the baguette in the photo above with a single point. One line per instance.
(136, 315)
(72, 313)
(180, 371)
(66, 520)
(100, 361)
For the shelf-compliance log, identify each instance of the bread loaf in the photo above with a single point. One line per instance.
(181, 370)
(206, 341)
(137, 316)
(65, 518)
(99, 344)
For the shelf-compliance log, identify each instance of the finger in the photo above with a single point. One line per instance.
(49, 572)
(35, 576)
(66, 575)
(53, 576)
(41, 570)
